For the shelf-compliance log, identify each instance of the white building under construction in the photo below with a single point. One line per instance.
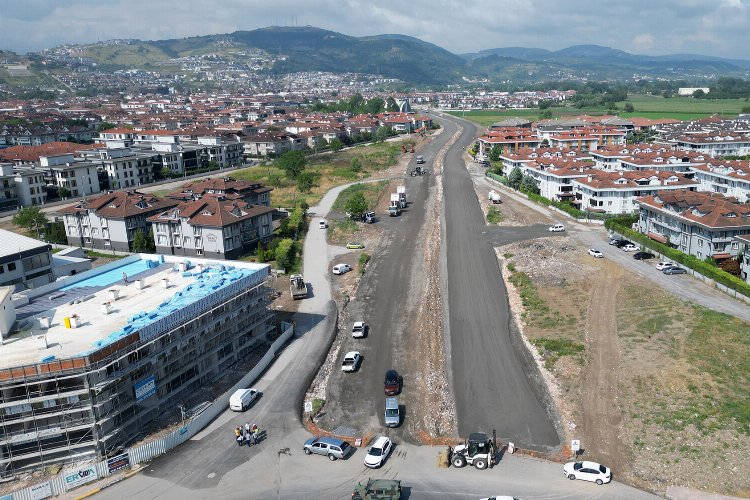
(87, 363)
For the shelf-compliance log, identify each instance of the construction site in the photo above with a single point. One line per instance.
(89, 362)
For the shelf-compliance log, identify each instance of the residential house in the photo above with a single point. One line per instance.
(212, 227)
(697, 223)
(744, 253)
(231, 189)
(111, 220)
(508, 140)
(728, 177)
(78, 176)
(617, 192)
(714, 144)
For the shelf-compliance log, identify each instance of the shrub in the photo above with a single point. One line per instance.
(363, 260)
(494, 216)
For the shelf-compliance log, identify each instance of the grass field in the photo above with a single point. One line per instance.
(329, 170)
(646, 106)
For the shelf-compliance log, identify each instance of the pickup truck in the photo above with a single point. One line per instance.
(297, 286)
(394, 210)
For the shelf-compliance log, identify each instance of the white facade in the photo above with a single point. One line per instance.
(78, 177)
(724, 179)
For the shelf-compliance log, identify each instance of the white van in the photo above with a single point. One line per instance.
(241, 399)
(322, 224)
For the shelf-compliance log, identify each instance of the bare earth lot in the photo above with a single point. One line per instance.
(654, 387)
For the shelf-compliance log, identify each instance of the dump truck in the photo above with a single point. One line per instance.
(494, 197)
(297, 286)
(401, 192)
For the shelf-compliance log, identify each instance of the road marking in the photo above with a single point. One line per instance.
(211, 475)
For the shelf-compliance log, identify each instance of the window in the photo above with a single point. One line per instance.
(12, 266)
(2, 269)
(700, 243)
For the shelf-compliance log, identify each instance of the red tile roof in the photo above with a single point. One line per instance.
(29, 154)
(711, 210)
(121, 204)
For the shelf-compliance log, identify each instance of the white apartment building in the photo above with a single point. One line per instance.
(695, 222)
(715, 144)
(124, 167)
(730, 178)
(617, 192)
(78, 176)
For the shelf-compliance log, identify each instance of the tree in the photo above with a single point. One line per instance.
(63, 192)
(528, 185)
(356, 206)
(285, 254)
(515, 178)
(545, 103)
(699, 94)
(165, 172)
(629, 107)
(31, 218)
(296, 221)
(292, 162)
(55, 233)
(335, 144)
(381, 133)
(355, 165)
(261, 253)
(375, 105)
(305, 182)
(745, 109)
(546, 114)
(495, 153)
(391, 104)
(105, 126)
(143, 243)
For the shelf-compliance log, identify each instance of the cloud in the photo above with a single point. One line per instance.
(701, 26)
(643, 42)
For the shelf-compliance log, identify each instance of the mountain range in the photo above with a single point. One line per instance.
(418, 62)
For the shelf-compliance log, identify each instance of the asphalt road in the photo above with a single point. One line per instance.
(385, 301)
(492, 389)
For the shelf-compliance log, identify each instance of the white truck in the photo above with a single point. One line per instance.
(297, 286)
(394, 208)
(401, 192)
(494, 197)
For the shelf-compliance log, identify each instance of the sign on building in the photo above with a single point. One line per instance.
(118, 462)
(41, 491)
(145, 388)
(80, 477)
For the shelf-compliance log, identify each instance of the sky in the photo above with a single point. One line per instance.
(652, 27)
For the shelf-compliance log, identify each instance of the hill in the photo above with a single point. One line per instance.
(411, 59)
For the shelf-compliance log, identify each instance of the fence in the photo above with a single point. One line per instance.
(148, 451)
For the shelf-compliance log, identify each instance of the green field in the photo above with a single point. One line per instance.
(646, 106)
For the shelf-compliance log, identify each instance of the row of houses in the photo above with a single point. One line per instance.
(214, 218)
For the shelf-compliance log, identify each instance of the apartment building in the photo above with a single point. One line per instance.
(24, 262)
(618, 192)
(123, 166)
(744, 251)
(715, 144)
(695, 222)
(30, 185)
(212, 226)
(728, 177)
(508, 140)
(251, 193)
(108, 358)
(79, 177)
(264, 144)
(111, 220)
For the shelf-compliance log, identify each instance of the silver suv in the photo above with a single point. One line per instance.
(331, 447)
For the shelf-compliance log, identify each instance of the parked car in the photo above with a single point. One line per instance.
(359, 329)
(392, 383)
(596, 253)
(378, 452)
(392, 413)
(588, 471)
(643, 255)
(331, 447)
(613, 240)
(369, 217)
(621, 243)
(663, 265)
(674, 270)
(629, 248)
(322, 224)
(341, 268)
(355, 246)
(351, 361)
(242, 398)
(557, 228)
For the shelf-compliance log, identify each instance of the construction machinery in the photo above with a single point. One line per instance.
(478, 450)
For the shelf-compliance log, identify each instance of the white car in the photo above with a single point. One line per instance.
(588, 471)
(557, 228)
(359, 329)
(630, 248)
(341, 269)
(351, 361)
(663, 265)
(322, 224)
(378, 452)
(596, 253)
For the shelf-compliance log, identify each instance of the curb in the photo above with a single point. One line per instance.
(112, 483)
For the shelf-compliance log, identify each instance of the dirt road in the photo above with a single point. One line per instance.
(601, 416)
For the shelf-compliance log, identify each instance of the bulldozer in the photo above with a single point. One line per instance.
(478, 450)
